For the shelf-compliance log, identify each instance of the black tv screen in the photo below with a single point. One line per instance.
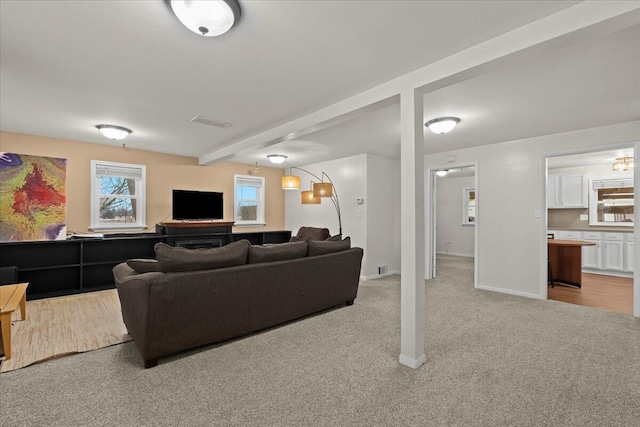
(197, 205)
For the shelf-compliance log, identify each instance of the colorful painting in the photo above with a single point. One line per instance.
(33, 198)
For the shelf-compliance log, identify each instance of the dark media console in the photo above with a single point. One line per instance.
(64, 267)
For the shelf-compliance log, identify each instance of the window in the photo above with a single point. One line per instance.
(117, 196)
(248, 204)
(611, 202)
(468, 206)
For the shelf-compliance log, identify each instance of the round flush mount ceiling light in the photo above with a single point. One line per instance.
(442, 173)
(113, 131)
(208, 18)
(442, 124)
(277, 158)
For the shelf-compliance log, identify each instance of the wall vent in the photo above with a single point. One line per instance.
(209, 122)
(382, 269)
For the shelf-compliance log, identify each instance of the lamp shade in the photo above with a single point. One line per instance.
(207, 18)
(322, 189)
(290, 182)
(309, 199)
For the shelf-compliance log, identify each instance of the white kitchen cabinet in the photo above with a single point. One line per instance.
(567, 191)
(591, 254)
(628, 257)
(612, 252)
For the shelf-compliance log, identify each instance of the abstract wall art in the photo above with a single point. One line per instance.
(33, 197)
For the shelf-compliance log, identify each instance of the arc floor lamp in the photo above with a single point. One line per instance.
(318, 190)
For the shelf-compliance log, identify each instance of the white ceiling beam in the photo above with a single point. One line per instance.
(584, 21)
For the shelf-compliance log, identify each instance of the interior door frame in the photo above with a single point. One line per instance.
(636, 220)
(431, 220)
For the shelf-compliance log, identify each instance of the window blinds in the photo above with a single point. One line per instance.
(119, 171)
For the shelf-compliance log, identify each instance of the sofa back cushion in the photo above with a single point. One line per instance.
(278, 252)
(328, 246)
(175, 259)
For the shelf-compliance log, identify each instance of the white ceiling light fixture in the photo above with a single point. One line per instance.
(208, 18)
(113, 131)
(442, 173)
(442, 124)
(277, 158)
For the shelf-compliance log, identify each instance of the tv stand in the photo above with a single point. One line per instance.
(195, 234)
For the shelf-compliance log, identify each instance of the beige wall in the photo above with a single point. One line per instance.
(164, 173)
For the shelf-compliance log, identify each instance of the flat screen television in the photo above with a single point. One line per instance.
(197, 205)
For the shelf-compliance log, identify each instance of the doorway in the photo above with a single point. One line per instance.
(453, 218)
(590, 201)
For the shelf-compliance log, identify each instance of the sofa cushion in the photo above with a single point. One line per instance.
(174, 259)
(278, 252)
(143, 265)
(298, 239)
(327, 246)
(336, 238)
(313, 233)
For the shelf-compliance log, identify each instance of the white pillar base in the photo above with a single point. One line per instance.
(412, 363)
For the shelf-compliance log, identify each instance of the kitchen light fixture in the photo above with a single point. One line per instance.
(207, 18)
(277, 158)
(624, 164)
(442, 124)
(319, 190)
(442, 173)
(113, 131)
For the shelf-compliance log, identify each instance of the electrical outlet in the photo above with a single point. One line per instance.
(584, 217)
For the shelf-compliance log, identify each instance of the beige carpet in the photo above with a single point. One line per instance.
(65, 325)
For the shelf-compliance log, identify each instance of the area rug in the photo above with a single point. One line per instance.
(65, 325)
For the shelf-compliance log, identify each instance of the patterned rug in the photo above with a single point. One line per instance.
(65, 325)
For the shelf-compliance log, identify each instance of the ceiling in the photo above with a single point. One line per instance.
(586, 85)
(66, 66)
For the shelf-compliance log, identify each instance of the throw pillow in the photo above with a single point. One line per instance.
(298, 239)
(327, 246)
(279, 252)
(142, 265)
(175, 259)
(336, 238)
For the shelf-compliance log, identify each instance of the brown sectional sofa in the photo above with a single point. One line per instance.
(168, 312)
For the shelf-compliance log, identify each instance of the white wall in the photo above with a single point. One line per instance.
(376, 228)
(383, 192)
(511, 180)
(449, 207)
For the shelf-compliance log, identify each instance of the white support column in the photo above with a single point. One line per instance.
(412, 228)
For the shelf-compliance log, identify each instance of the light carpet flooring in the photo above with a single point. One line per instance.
(492, 360)
(60, 326)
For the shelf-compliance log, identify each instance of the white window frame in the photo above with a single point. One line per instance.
(465, 206)
(260, 199)
(140, 195)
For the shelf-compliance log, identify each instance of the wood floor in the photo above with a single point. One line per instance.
(598, 291)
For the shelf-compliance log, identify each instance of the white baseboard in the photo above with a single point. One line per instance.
(377, 276)
(412, 363)
(608, 273)
(510, 292)
(455, 254)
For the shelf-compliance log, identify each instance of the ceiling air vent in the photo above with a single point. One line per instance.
(209, 122)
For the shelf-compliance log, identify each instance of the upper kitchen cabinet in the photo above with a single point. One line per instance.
(567, 191)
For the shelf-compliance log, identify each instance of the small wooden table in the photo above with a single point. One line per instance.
(10, 297)
(565, 257)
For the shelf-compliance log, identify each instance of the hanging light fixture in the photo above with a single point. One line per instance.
(208, 18)
(624, 164)
(442, 124)
(277, 158)
(113, 131)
